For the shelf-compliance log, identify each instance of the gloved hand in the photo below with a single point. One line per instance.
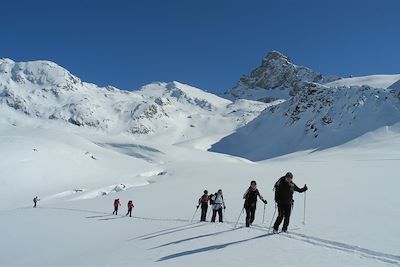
(305, 187)
(224, 207)
(265, 202)
(197, 206)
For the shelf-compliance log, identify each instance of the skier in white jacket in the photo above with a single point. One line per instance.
(217, 205)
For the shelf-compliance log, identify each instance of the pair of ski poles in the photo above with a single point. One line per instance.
(273, 216)
(242, 212)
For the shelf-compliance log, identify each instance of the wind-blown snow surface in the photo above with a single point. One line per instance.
(376, 81)
(351, 217)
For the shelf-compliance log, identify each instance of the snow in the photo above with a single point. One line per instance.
(376, 81)
(351, 214)
(316, 118)
(76, 228)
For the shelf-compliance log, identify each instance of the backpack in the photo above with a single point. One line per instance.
(212, 198)
(276, 186)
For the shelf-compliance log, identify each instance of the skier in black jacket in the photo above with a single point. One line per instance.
(284, 189)
(250, 202)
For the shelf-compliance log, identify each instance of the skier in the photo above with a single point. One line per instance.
(203, 202)
(250, 202)
(284, 189)
(35, 200)
(116, 205)
(130, 206)
(218, 203)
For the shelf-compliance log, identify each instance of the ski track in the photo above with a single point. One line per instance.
(364, 252)
(315, 241)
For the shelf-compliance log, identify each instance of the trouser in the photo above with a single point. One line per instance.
(250, 213)
(115, 210)
(129, 212)
(203, 216)
(283, 213)
(215, 214)
(34, 204)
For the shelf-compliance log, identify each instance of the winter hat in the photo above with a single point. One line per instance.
(289, 175)
(205, 192)
(253, 182)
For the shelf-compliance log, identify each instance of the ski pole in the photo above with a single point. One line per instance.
(264, 214)
(194, 213)
(239, 217)
(270, 225)
(304, 213)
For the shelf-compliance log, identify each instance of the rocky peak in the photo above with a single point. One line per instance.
(276, 73)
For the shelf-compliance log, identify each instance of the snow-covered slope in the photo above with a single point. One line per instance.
(317, 117)
(78, 147)
(377, 81)
(350, 195)
(276, 78)
(173, 111)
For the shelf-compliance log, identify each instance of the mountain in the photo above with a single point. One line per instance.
(277, 78)
(79, 166)
(171, 111)
(317, 117)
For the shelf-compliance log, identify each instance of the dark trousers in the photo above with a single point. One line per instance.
(115, 210)
(215, 214)
(129, 212)
(250, 212)
(204, 208)
(283, 213)
(34, 204)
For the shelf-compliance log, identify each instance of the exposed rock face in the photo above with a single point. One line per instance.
(316, 117)
(277, 77)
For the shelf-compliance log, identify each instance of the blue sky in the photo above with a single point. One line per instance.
(205, 43)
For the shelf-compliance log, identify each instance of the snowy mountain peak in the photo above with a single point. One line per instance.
(35, 75)
(173, 111)
(277, 56)
(317, 117)
(276, 78)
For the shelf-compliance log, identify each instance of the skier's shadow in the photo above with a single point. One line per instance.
(167, 231)
(195, 237)
(214, 247)
(97, 216)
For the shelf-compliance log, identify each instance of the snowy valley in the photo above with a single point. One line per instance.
(79, 146)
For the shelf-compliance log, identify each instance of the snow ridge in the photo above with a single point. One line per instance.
(317, 117)
(42, 89)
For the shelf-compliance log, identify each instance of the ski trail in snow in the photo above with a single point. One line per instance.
(367, 253)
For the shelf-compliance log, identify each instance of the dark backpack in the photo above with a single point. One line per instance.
(276, 188)
(211, 198)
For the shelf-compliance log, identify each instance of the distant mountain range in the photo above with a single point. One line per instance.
(278, 109)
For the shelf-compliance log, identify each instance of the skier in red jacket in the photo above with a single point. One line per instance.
(130, 206)
(116, 205)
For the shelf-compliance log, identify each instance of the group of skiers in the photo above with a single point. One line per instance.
(217, 204)
(117, 204)
(284, 189)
